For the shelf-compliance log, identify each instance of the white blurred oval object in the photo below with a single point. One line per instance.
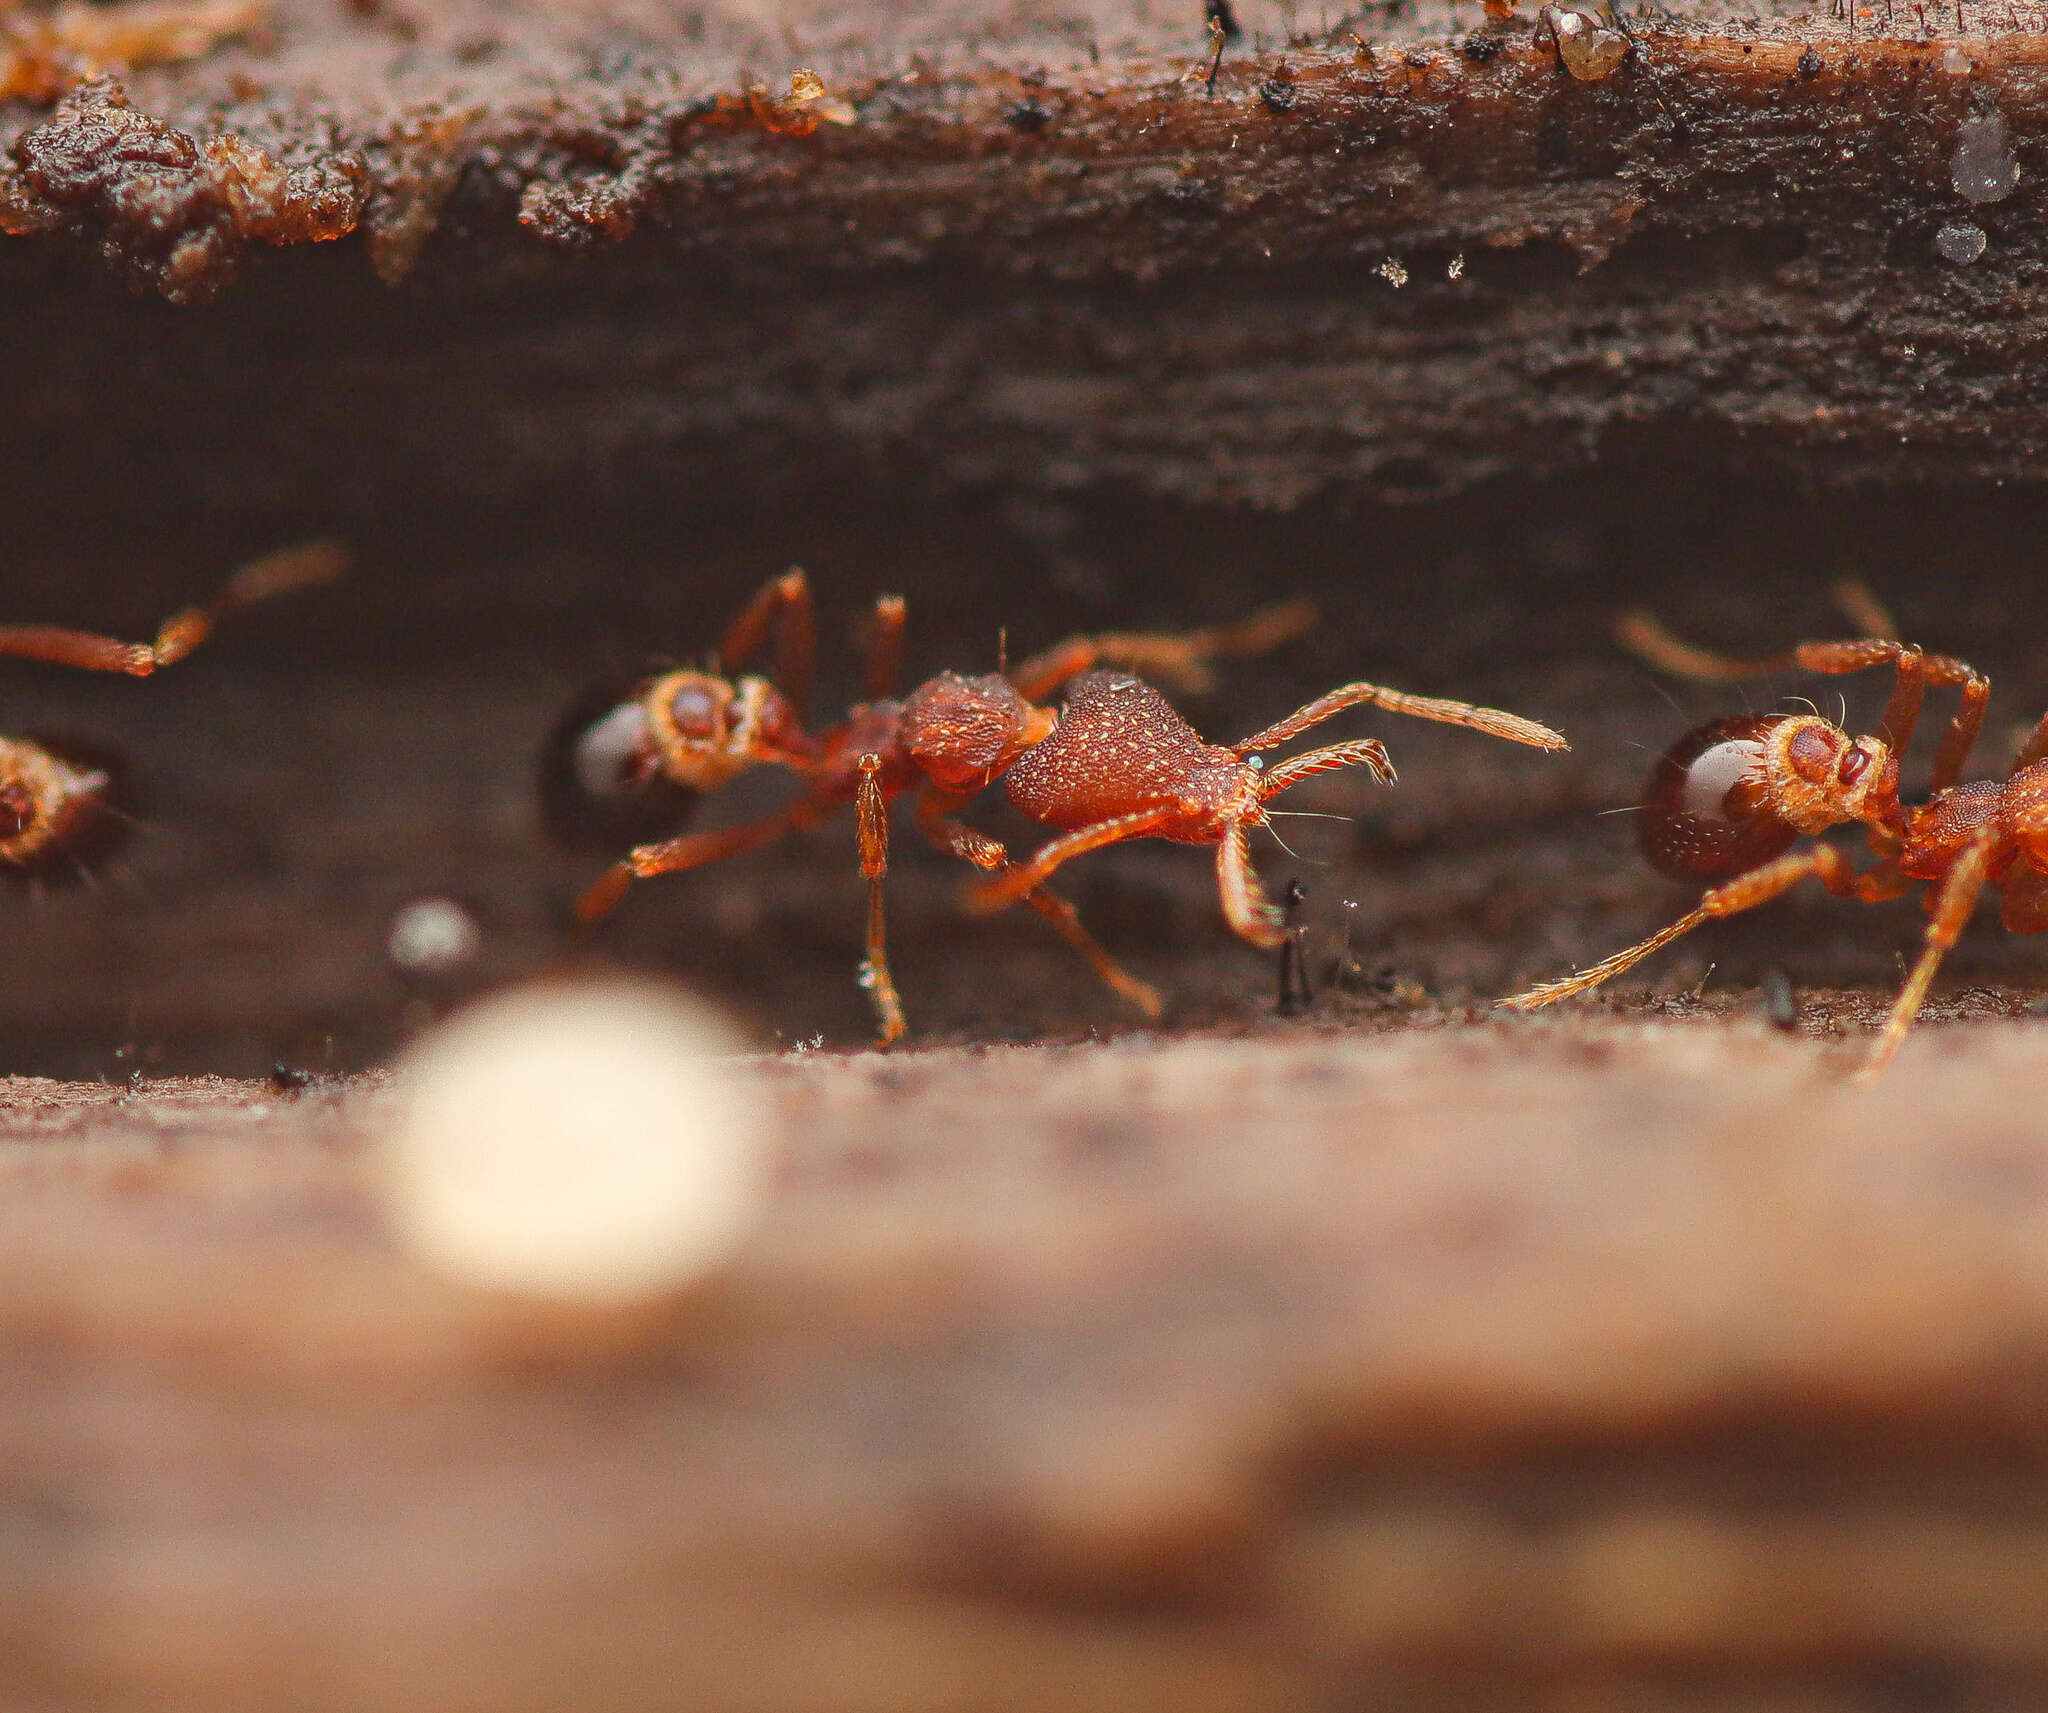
(575, 1141)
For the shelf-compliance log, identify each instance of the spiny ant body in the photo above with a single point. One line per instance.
(1117, 762)
(56, 798)
(1727, 802)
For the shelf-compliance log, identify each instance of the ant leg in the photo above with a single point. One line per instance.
(1858, 603)
(1251, 915)
(964, 842)
(1368, 753)
(1020, 880)
(694, 850)
(1731, 898)
(276, 573)
(1489, 720)
(1952, 907)
(2034, 749)
(885, 646)
(871, 810)
(785, 603)
(1180, 659)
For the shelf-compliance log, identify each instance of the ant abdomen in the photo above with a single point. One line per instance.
(1706, 809)
(601, 781)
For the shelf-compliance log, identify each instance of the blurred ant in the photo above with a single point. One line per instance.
(1726, 802)
(56, 801)
(1115, 763)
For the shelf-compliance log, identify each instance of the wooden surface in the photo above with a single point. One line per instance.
(1632, 1364)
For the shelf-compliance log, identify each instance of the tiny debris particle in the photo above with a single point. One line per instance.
(1029, 115)
(1589, 50)
(1479, 49)
(1392, 272)
(1777, 1002)
(1983, 167)
(1456, 271)
(1962, 243)
(1809, 66)
(1279, 94)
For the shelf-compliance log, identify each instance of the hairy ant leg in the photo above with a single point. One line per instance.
(935, 811)
(1181, 658)
(1362, 695)
(1745, 892)
(694, 850)
(1251, 914)
(274, 574)
(1368, 753)
(1951, 909)
(871, 814)
(1022, 879)
(783, 603)
(884, 646)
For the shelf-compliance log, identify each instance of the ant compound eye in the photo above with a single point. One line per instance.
(696, 713)
(1855, 764)
(1706, 811)
(1812, 753)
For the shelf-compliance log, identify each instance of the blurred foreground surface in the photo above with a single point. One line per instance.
(1583, 1364)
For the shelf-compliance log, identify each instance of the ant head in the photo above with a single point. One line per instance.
(708, 730)
(963, 732)
(1736, 793)
(57, 812)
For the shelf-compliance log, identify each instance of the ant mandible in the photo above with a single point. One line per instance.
(1119, 763)
(1727, 801)
(54, 801)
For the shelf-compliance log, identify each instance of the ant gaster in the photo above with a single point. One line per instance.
(1116, 763)
(1726, 803)
(53, 801)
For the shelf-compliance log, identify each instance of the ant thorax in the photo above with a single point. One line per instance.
(1121, 746)
(708, 731)
(963, 732)
(49, 806)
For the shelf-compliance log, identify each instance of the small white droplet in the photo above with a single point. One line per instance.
(1954, 61)
(1961, 244)
(579, 1142)
(1983, 167)
(433, 937)
(1456, 270)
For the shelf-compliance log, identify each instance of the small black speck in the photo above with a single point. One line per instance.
(1028, 115)
(1809, 66)
(1278, 94)
(1480, 49)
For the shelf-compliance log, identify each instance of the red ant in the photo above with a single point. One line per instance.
(1727, 801)
(1115, 763)
(54, 802)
